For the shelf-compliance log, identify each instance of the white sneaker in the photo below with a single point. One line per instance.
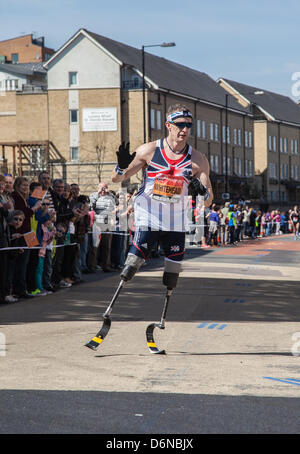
(10, 299)
(64, 284)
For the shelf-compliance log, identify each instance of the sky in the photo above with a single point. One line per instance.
(252, 42)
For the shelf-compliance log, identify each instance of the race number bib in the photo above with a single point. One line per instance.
(167, 188)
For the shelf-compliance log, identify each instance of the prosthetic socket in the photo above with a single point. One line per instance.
(170, 276)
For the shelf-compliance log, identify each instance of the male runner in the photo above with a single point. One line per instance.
(170, 166)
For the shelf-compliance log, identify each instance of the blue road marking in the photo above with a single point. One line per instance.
(212, 325)
(290, 381)
(202, 325)
(222, 326)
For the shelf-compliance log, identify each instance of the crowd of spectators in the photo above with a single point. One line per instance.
(77, 234)
(51, 234)
(231, 223)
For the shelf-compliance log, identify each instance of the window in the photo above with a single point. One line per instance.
(237, 166)
(246, 139)
(240, 137)
(203, 129)
(296, 146)
(274, 143)
(216, 132)
(158, 119)
(73, 79)
(198, 128)
(272, 170)
(270, 143)
(224, 134)
(235, 142)
(295, 172)
(292, 146)
(74, 153)
(285, 145)
(212, 131)
(11, 84)
(250, 139)
(212, 162)
(152, 119)
(73, 116)
(14, 58)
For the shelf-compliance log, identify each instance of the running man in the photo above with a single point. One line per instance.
(170, 167)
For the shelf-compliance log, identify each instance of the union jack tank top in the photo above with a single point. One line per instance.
(162, 200)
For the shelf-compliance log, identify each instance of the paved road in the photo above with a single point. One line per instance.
(232, 339)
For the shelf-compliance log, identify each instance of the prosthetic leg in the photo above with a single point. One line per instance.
(170, 278)
(132, 265)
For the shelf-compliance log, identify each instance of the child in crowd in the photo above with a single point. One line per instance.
(48, 234)
(16, 240)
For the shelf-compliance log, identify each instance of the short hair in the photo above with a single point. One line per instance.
(176, 108)
(57, 181)
(14, 213)
(43, 173)
(34, 185)
(2, 177)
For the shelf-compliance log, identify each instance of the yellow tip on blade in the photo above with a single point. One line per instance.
(151, 344)
(97, 339)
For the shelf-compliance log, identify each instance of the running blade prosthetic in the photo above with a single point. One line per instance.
(98, 339)
(150, 328)
(150, 339)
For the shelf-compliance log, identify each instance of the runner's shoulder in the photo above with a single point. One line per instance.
(146, 151)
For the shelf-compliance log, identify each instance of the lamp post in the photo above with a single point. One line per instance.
(143, 70)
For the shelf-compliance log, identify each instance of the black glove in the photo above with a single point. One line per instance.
(197, 188)
(124, 157)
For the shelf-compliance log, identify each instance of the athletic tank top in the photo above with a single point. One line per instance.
(162, 200)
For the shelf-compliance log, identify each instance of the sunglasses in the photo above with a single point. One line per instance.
(182, 125)
(18, 219)
(7, 174)
(46, 204)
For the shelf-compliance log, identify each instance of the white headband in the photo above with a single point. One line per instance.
(182, 113)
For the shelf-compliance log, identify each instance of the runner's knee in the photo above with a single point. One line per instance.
(132, 265)
(171, 273)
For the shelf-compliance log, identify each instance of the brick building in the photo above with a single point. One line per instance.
(94, 101)
(276, 141)
(24, 49)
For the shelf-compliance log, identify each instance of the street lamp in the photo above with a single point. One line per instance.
(143, 70)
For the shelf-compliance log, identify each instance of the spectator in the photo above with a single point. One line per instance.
(105, 208)
(214, 221)
(45, 180)
(48, 233)
(3, 241)
(231, 224)
(252, 225)
(15, 240)
(223, 223)
(9, 186)
(64, 214)
(246, 215)
(20, 196)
